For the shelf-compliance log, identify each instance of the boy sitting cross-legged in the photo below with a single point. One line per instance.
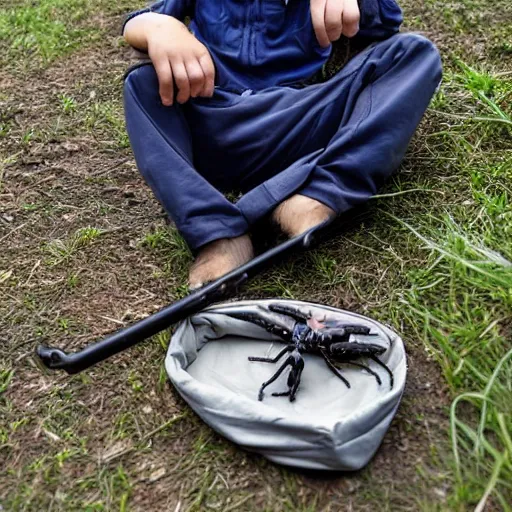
(224, 106)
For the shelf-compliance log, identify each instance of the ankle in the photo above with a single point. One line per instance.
(300, 213)
(219, 257)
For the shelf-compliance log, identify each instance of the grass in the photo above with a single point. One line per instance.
(60, 251)
(459, 302)
(490, 457)
(36, 34)
(106, 117)
(172, 250)
(466, 332)
(432, 256)
(5, 379)
(45, 30)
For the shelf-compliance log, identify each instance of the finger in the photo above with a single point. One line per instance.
(206, 63)
(164, 73)
(181, 78)
(318, 19)
(333, 13)
(195, 77)
(351, 17)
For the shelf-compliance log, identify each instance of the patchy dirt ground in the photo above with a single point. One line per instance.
(84, 249)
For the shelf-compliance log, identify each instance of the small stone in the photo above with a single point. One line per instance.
(53, 437)
(60, 496)
(157, 475)
(353, 487)
(440, 492)
(7, 218)
(70, 147)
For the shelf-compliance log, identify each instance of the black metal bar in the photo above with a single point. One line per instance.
(222, 288)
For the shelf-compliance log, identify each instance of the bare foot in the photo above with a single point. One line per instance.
(218, 258)
(300, 213)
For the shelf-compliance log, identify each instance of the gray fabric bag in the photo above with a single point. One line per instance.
(328, 426)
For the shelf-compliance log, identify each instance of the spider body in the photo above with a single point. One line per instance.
(328, 339)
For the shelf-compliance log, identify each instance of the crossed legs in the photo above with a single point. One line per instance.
(336, 143)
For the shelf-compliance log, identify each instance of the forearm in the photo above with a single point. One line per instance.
(136, 30)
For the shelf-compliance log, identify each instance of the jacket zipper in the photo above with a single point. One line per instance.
(246, 39)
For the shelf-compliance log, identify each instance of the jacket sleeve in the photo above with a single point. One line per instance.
(176, 8)
(380, 19)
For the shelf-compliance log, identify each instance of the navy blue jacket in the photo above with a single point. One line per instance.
(257, 44)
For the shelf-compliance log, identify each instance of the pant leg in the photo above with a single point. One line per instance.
(386, 110)
(364, 119)
(161, 142)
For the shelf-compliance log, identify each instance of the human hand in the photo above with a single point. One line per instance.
(334, 18)
(178, 57)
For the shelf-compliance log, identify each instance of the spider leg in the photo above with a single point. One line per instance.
(333, 368)
(293, 378)
(339, 333)
(380, 363)
(289, 362)
(295, 386)
(292, 311)
(358, 329)
(289, 348)
(367, 368)
(267, 324)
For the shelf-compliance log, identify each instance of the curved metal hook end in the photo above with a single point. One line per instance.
(52, 358)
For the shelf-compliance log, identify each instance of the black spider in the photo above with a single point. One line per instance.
(329, 339)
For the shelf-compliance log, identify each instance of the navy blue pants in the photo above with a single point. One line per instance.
(336, 142)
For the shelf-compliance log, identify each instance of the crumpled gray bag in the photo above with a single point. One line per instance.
(328, 426)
